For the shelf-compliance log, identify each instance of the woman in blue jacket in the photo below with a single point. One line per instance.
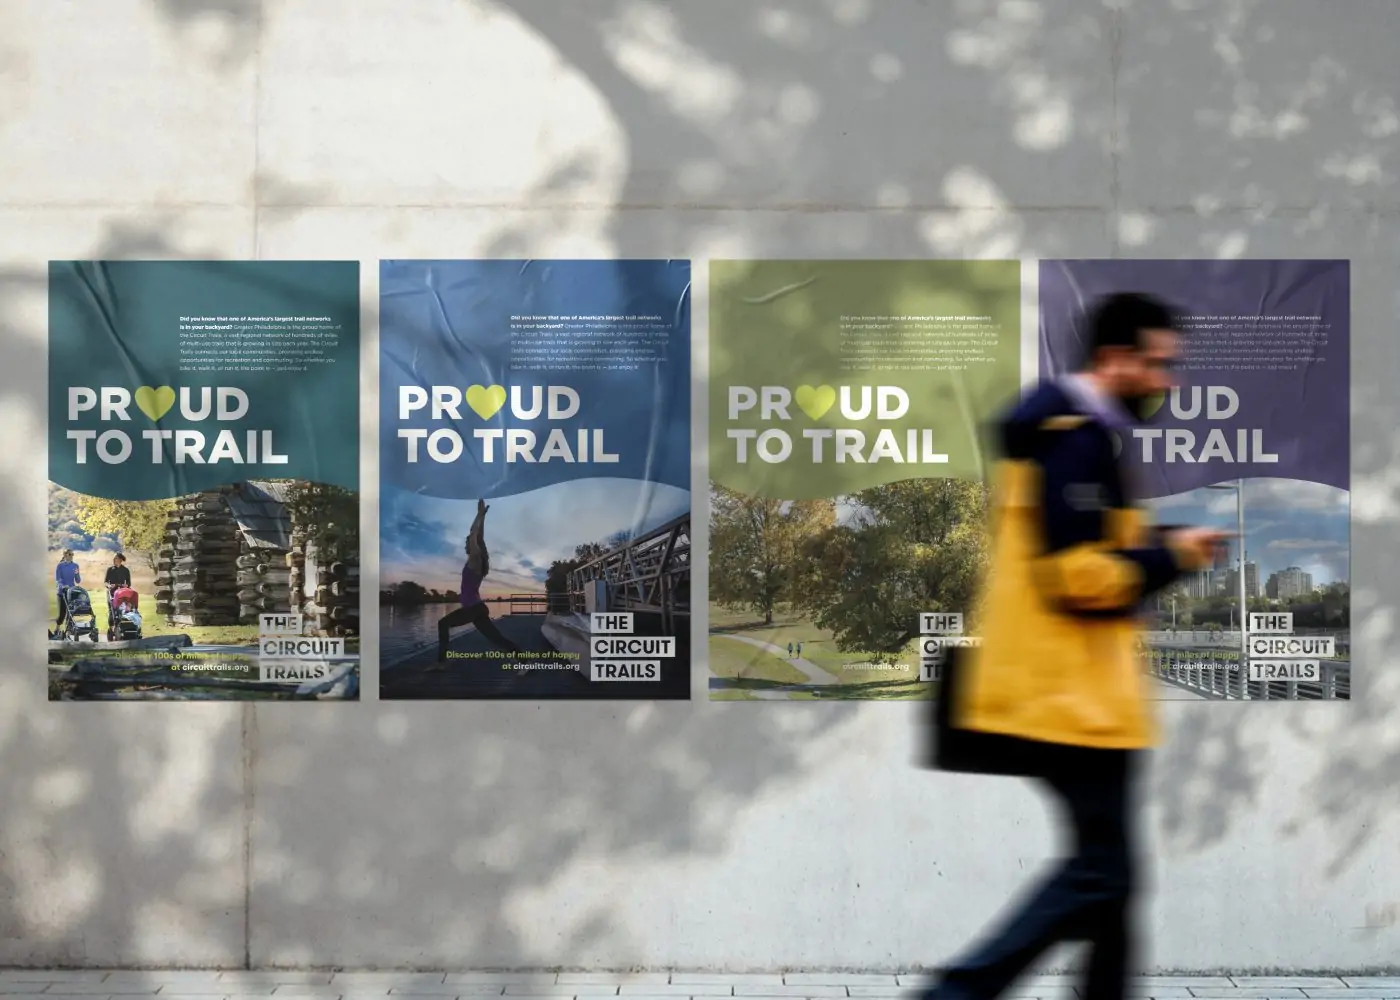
(65, 575)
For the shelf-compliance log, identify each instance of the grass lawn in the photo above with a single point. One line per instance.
(818, 646)
(731, 658)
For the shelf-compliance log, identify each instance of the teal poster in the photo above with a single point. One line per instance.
(203, 480)
(534, 421)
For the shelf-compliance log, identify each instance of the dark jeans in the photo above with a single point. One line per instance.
(477, 615)
(1087, 899)
(62, 608)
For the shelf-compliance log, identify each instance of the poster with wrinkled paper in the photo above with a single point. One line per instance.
(535, 479)
(849, 405)
(1255, 438)
(203, 480)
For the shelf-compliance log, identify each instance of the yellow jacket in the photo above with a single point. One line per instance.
(1072, 560)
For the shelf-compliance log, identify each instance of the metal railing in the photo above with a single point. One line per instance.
(1231, 638)
(1215, 673)
(650, 573)
(523, 604)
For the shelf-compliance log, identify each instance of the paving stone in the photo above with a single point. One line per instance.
(615, 978)
(564, 990)
(811, 992)
(678, 990)
(52, 976)
(734, 979)
(111, 989)
(218, 987)
(504, 978)
(1287, 982)
(838, 979)
(274, 977)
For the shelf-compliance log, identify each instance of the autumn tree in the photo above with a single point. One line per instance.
(139, 525)
(331, 515)
(759, 547)
(913, 546)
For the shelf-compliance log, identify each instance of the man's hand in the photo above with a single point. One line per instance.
(1198, 545)
(481, 507)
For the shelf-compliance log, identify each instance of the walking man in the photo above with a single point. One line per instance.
(1056, 690)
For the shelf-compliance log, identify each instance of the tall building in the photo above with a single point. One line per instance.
(1251, 579)
(1289, 583)
(1200, 584)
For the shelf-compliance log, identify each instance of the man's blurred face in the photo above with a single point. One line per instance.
(1138, 376)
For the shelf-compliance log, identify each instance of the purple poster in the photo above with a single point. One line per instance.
(1254, 439)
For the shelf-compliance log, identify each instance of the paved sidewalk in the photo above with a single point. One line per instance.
(208, 985)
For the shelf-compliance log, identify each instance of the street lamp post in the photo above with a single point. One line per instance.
(1238, 487)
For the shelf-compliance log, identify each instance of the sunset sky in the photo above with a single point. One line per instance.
(422, 537)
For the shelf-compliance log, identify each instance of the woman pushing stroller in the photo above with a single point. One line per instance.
(65, 575)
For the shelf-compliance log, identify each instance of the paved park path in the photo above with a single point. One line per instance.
(814, 673)
(240, 985)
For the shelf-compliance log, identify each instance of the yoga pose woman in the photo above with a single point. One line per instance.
(473, 610)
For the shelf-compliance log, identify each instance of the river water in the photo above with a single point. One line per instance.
(402, 630)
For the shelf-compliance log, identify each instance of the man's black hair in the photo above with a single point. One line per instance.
(120, 556)
(1119, 321)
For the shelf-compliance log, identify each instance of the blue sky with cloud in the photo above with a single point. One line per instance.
(421, 538)
(1287, 522)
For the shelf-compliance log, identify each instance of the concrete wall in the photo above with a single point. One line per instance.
(725, 836)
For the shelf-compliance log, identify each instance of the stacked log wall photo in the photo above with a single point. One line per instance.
(329, 591)
(237, 552)
(196, 565)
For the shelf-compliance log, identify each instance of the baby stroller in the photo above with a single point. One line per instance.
(123, 616)
(79, 619)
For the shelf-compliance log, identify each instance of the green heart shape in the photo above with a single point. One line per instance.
(814, 401)
(1152, 404)
(155, 403)
(486, 400)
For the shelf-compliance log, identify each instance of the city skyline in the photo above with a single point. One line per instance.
(1288, 524)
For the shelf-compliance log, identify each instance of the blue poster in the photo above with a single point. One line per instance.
(535, 479)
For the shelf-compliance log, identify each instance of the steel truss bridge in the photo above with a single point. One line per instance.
(649, 574)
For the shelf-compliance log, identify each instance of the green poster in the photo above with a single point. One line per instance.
(203, 480)
(849, 407)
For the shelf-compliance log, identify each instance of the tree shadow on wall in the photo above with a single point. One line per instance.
(761, 130)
